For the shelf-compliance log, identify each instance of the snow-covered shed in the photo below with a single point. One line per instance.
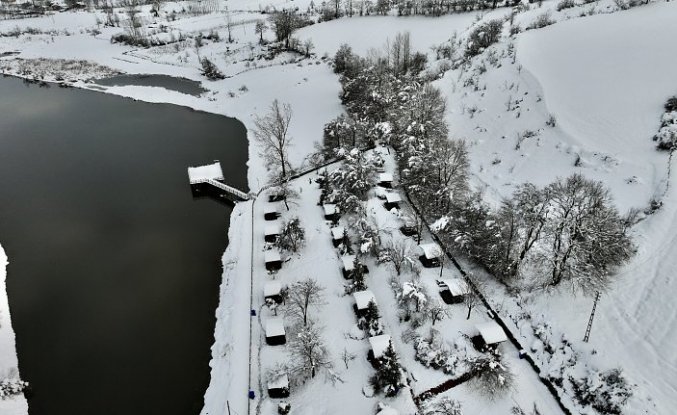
(393, 200)
(378, 345)
(385, 180)
(272, 290)
(271, 212)
(432, 255)
(278, 387)
(453, 290)
(273, 260)
(337, 235)
(490, 334)
(348, 264)
(331, 212)
(362, 300)
(409, 227)
(272, 231)
(275, 333)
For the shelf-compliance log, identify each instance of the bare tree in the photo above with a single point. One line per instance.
(260, 29)
(347, 357)
(292, 237)
(134, 19)
(284, 24)
(308, 46)
(491, 376)
(302, 296)
(437, 312)
(470, 300)
(229, 25)
(272, 134)
(399, 254)
(308, 352)
(443, 406)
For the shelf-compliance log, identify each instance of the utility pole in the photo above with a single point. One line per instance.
(592, 316)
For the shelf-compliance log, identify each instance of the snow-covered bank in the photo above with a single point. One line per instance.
(9, 364)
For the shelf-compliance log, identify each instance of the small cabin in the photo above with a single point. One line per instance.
(393, 201)
(377, 347)
(348, 266)
(362, 300)
(272, 231)
(273, 260)
(271, 212)
(337, 234)
(432, 255)
(331, 212)
(489, 336)
(453, 290)
(385, 180)
(272, 291)
(278, 387)
(275, 333)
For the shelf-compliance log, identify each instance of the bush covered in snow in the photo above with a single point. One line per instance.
(667, 134)
(432, 352)
(443, 406)
(483, 36)
(10, 387)
(607, 392)
(491, 376)
(292, 236)
(210, 70)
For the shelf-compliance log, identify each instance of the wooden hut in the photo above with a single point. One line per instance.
(453, 290)
(490, 335)
(393, 201)
(272, 291)
(273, 260)
(278, 387)
(432, 255)
(362, 300)
(275, 333)
(385, 180)
(331, 212)
(272, 231)
(409, 228)
(337, 234)
(271, 212)
(378, 346)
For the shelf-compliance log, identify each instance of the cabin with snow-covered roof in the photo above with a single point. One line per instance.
(362, 300)
(275, 333)
(431, 255)
(385, 180)
(272, 231)
(272, 291)
(278, 387)
(273, 260)
(331, 212)
(337, 234)
(490, 335)
(377, 347)
(271, 212)
(348, 263)
(393, 201)
(453, 290)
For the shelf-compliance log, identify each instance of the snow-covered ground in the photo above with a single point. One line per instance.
(604, 78)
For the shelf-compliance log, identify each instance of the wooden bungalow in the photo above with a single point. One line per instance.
(362, 300)
(489, 336)
(409, 228)
(271, 212)
(331, 212)
(272, 231)
(377, 347)
(275, 333)
(432, 255)
(385, 180)
(278, 388)
(393, 201)
(348, 266)
(272, 290)
(337, 234)
(273, 260)
(453, 290)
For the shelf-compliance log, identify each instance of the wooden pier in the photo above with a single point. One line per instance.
(209, 179)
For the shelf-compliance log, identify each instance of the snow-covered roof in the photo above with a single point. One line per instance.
(379, 344)
(329, 209)
(272, 288)
(385, 178)
(456, 286)
(275, 327)
(337, 232)
(280, 382)
(392, 197)
(273, 228)
(431, 250)
(272, 256)
(388, 410)
(348, 262)
(271, 208)
(201, 173)
(491, 332)
(363, 298)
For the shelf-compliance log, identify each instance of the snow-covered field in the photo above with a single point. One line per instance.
(604, 78)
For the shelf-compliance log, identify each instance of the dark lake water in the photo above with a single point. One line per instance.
(113, 269)
(183, 85)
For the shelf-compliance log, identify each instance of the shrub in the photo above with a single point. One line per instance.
(671, 104)
(607, 392)
(565, 4)
(210, 70)
(483, 36)
(541, 21)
